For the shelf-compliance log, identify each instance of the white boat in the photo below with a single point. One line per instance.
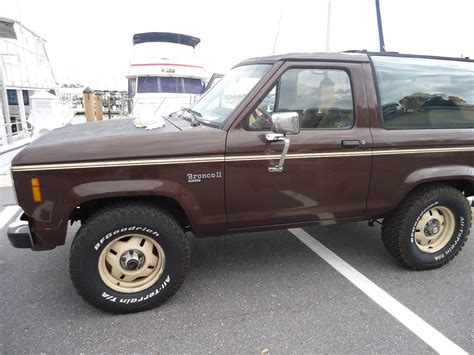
(25, 70)
(164, 75)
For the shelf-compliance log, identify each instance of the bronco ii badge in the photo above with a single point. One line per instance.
(200, 177)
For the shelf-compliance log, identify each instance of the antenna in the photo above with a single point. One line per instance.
(379, 24)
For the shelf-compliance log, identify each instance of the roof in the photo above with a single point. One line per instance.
(323, 56)
(357, 56)
(166, 37)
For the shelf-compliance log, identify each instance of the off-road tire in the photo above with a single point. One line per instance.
(116, 221)
(398, 230)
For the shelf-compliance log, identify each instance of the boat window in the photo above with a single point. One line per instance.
(193, 86)
(148, 84)
(26, 97)
(156, 84)
(12, 97)
(168, 85)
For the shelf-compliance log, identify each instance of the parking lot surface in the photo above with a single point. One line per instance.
(243, 294)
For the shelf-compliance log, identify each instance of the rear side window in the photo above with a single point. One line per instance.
(421, 93)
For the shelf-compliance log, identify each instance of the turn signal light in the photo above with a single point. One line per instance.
(36, 190)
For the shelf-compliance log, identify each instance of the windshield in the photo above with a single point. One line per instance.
(159, 84)
(215, 107)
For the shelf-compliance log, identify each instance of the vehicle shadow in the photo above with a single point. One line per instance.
(272, 249)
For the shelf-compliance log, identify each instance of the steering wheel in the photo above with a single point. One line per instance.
(263, 120)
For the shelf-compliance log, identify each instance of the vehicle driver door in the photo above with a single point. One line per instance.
(325, 175)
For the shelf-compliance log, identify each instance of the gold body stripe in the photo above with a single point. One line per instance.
(118, 163)
(236, 158)
(422, 150)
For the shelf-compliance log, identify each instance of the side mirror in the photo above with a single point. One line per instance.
(285, 123)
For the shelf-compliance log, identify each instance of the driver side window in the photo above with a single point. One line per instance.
(321, 97)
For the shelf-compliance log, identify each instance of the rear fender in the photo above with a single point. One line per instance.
(447, 173)
(440, 173)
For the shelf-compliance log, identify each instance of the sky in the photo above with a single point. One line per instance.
(90, 41)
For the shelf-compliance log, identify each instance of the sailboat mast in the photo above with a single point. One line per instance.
(328, 28)
(380, 28)
(276, 35)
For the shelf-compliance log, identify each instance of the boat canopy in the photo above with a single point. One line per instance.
(166, 37)
(6, 28)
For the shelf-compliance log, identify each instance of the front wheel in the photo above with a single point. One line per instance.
(429, 228)
(129, 258)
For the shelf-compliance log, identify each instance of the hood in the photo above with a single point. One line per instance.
(120, 139)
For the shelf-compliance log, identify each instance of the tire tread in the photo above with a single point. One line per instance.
(116, 212)
(395, 227)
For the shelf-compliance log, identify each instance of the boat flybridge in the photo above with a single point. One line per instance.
(164, 75)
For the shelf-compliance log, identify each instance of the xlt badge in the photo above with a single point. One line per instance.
(200, 177)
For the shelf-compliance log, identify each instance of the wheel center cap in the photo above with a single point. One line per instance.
(132, 260)
(132, 264)
(432, 228)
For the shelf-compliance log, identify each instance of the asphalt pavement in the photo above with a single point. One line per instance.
(243, 294)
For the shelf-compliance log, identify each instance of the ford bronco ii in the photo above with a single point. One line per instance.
(279, 142)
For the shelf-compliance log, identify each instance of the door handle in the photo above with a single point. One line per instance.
(351, 143)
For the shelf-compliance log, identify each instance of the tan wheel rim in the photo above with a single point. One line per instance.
(434, 229)
(131, 263)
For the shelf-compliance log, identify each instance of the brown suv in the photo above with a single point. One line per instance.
(283, 141)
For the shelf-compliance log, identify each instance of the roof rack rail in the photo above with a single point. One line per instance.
(390, 53)
(366, 51)
(355, 51)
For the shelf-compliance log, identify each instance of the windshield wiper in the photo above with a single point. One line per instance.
(193, 117)
(175, 114)
(194, 114)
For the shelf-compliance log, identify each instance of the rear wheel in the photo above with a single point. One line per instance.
(429, 227)
(129, 258)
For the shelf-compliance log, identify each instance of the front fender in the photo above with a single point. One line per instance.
(91, 191)
(50, 218)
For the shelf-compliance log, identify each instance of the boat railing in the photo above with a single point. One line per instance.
(17, 132)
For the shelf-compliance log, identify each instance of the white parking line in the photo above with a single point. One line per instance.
(423, 330)
(7, 214)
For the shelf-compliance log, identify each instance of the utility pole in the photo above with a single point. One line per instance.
(379, 24)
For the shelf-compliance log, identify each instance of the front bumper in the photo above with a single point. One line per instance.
(20, 236)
